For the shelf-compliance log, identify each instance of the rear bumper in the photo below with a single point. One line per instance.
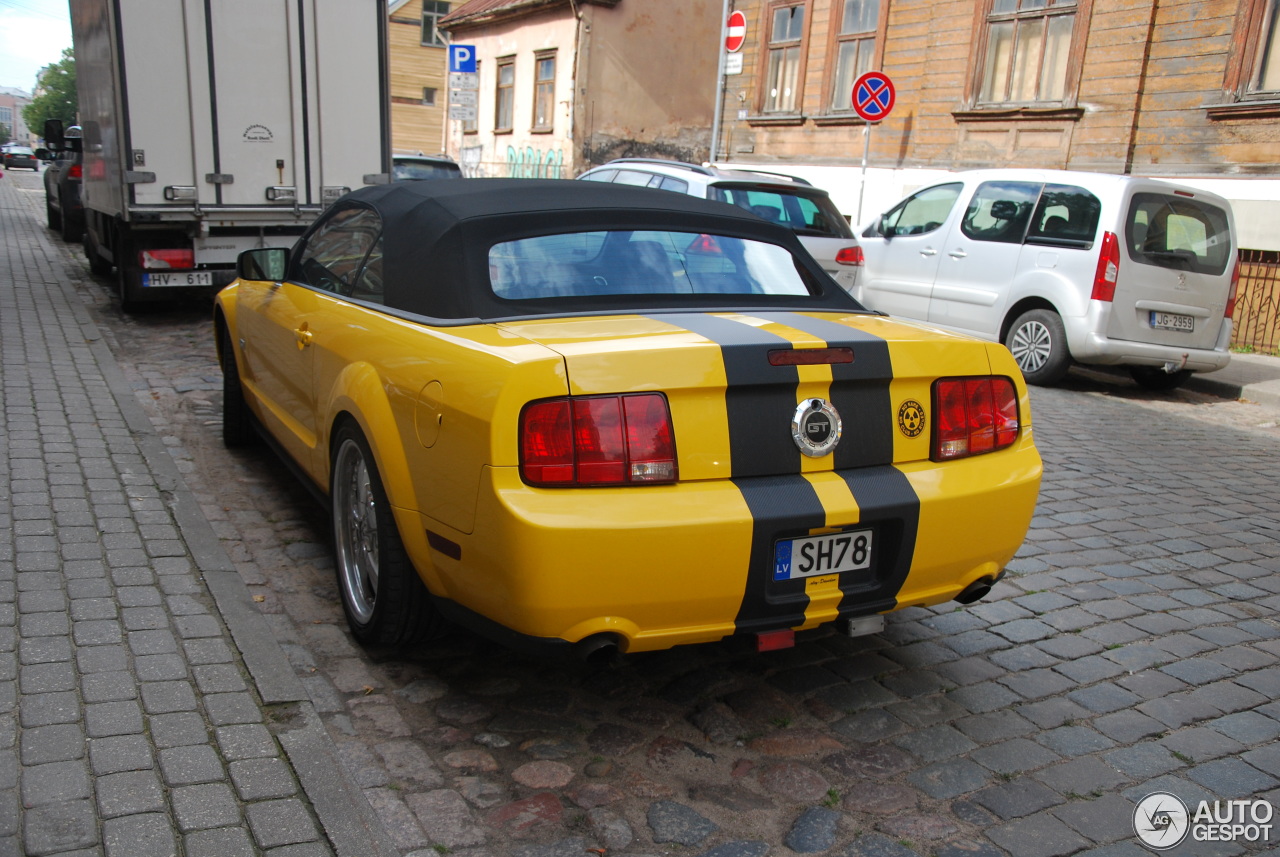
(662, 566)
(1088, 346)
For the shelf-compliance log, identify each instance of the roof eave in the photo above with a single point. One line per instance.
(511, 11)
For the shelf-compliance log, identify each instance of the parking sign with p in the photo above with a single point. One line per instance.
(462, 59)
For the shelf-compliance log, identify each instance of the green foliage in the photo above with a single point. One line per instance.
(57, 98)
(4, 133)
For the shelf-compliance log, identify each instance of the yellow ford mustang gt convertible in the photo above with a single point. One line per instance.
(588, 417)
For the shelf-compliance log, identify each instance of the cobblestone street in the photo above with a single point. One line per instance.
(1134, 647)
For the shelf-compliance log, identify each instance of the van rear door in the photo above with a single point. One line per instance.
(1175, 272)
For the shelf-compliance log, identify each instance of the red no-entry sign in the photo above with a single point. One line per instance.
(873, 96)
(735, 32)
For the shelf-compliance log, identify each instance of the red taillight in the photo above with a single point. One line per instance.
(850, 256)
(1231, 295)
(1104, 279)
(153, 260)
(973, 416)
(75, 172)
(598, 440)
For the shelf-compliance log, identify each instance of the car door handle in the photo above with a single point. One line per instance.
(303, 336)
(957, 254)
(928, 251)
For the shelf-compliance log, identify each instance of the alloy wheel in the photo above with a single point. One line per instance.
(355, 513)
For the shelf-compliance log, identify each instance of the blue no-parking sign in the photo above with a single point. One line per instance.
(462, 59)
(873, 96)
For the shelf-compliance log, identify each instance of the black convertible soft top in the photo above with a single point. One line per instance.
(437, 236)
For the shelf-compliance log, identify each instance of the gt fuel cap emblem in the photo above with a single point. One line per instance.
(816, 427)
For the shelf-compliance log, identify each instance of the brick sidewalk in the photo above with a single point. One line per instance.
(145, 708)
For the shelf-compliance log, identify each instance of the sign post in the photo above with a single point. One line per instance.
(464, 82)
(873, 99)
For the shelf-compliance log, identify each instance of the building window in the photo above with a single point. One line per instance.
(432, 12)
(1028, 51)
(429, 96)
(544, 91)
(1268, 77)
(855, 48)
(505, 95)
(782, 79)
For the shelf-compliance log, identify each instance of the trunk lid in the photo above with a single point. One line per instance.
(733, 408)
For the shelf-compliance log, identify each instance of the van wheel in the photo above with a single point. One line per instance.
(385, 601)
(55, 216)
(1151, 378)
(1039, 345)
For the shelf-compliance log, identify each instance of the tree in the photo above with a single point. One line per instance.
(4, 133)
(57, 97)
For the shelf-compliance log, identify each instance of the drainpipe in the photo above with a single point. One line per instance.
(715, 123)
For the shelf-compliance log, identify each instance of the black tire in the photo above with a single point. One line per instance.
(385, 601)
(55, 216)
(97, 264)
(1158, 380)
(72, 230)
(1038, 342)
(237, 421)
(125, 271)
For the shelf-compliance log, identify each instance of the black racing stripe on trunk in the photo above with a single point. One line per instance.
(859, 390)
(760, 399)
(781, 507)
(887, 502)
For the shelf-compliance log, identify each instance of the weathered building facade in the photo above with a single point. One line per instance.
(416, 74)
(564, 84)
(1185, 89)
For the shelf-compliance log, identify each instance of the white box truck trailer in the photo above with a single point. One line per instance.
(210, 127)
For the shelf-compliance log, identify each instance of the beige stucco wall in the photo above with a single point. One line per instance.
(522, 152)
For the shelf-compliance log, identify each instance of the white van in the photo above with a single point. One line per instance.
(1064, 266)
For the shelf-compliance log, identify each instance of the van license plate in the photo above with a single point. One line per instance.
(1171, 321)
(831, 553)
(185, 278)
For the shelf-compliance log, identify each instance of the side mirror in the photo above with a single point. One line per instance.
(53, 135)
(268, 263)
(44, 154)
(884, 228)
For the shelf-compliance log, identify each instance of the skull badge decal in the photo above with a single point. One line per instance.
(816, 427)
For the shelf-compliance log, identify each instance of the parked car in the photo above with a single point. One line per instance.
(793, 202)
(419, 167)
(1064, 267)
(20, 156)
(580, 417)
(62, 182)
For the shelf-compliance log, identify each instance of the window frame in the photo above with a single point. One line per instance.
(543, 88)
(510, 91)
(767, 49)
(1067, 107)
(432, 12)
(1241, 95)
(835, 41)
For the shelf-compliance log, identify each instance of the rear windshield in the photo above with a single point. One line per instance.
(418, 170)
(624, 262)
(1179, 233)
(815, 216)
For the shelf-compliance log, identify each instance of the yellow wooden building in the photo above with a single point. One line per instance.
(416, 59)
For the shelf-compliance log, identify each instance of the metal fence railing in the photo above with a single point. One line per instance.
(1258, 302)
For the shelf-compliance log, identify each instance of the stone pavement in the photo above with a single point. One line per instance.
(145, 708)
